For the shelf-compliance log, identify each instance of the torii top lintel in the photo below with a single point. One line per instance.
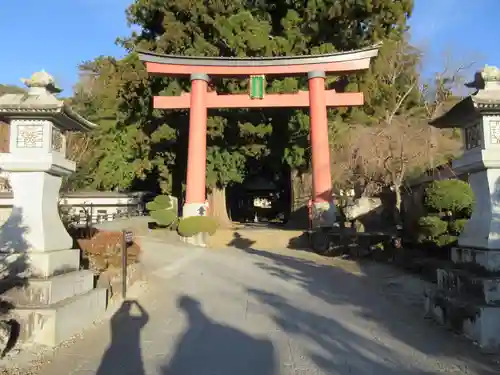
(340, 62)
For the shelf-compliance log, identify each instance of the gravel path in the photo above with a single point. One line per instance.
(251, 312)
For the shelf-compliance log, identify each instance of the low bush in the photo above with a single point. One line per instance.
(431, 227)
(192, 225)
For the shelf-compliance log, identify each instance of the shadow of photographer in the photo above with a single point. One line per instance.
(124, 352)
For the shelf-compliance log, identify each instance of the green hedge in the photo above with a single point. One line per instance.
(191, 226)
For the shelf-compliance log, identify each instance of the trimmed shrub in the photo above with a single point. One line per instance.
(446, 240)
(453, 196)
(192, 225)
(164, 217)
(457, 226)
(163, 209)
(431, 227)
(164, 200)
(453, 200)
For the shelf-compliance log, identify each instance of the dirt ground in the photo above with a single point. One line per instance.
(261, 238)
(277, 241)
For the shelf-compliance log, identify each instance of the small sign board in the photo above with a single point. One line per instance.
(129, 237)
(257, 87)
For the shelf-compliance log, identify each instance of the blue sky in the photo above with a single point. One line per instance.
(56, 35)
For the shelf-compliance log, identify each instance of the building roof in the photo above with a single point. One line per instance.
(442, 171)
(486, 100)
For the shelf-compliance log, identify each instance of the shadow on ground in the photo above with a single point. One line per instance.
(375, 300)
(208, 347)
(124, 352)
(330, 344)
(205, 348)
(14, 270)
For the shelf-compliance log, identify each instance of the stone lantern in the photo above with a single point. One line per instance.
(34, 244)
(478, 116)
(471, 288)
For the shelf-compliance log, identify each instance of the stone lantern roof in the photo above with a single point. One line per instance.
(40, 102)
(484, 101)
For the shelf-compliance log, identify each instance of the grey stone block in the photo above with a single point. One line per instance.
(50, 325)
(480, 323)
(199, 239)
(486, 289)
(324, 214)
(36, 292)
(483, 258)
(50, 263)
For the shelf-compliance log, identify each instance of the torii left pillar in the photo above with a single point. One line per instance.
(197, 148)
(323, 207)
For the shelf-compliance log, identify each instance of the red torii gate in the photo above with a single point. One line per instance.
(317, 98)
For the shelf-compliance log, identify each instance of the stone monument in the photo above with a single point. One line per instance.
(468, 295)
(41, 277)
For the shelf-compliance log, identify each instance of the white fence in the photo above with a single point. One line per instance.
(87, 208)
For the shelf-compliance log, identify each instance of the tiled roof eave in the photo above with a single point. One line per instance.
(28, 110)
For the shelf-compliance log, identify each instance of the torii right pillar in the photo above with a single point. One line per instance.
(324, 213)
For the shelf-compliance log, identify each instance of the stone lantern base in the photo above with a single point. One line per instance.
(467, 297)
(53, 309)
(40, 278)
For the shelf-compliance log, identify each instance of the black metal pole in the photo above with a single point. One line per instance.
(124, 264)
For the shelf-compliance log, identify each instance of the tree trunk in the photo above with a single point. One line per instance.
(301, 189)
(217, 207)
(301, 185)
(397, 213)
